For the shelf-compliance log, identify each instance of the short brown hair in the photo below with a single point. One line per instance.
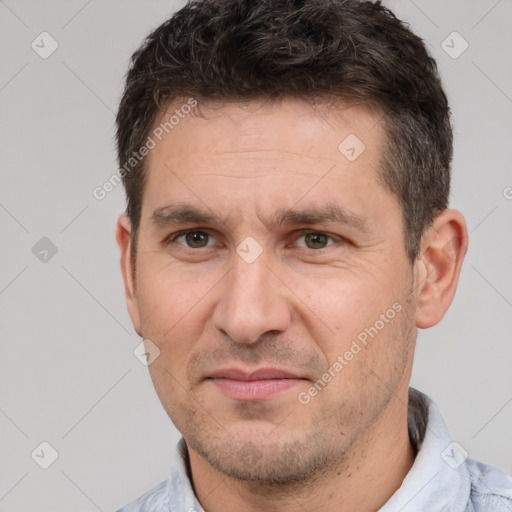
(242, 50)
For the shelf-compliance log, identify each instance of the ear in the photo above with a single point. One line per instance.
(123, 232)
(438, 265)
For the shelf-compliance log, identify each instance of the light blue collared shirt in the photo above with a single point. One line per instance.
(442, 478)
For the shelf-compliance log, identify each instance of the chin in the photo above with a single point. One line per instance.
(261, 460)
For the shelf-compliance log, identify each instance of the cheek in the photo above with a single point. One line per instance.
(167, 296)
(358, 321)
(174, 312)
(172, 389)
(340, 308)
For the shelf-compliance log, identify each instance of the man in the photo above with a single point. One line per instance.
(287, 169)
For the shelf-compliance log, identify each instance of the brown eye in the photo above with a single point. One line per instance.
(196, 239)
(316, 240)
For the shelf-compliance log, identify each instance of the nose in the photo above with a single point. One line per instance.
(253, 302)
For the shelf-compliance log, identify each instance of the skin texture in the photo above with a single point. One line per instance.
(297, 307)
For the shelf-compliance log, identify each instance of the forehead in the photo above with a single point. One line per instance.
(263, 152)
(267, 129)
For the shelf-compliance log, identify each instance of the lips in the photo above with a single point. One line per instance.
(260, 374)
(260, 384)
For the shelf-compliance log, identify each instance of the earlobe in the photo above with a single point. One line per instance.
(123, 237)
(438, 266)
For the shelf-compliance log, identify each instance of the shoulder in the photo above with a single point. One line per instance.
(491, 489)
(155, 500)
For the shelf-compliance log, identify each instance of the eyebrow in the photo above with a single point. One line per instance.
(183, 213)
(327, 213)
(187, 214)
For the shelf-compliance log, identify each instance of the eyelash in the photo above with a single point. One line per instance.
(173, 237)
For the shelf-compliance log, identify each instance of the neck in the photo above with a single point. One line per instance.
(370, 474)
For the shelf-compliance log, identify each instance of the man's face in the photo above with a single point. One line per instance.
(266, 254)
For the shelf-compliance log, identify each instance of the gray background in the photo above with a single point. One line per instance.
(67, 372)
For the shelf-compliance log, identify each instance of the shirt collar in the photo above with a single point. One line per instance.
(438, 478)
(180, 493)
